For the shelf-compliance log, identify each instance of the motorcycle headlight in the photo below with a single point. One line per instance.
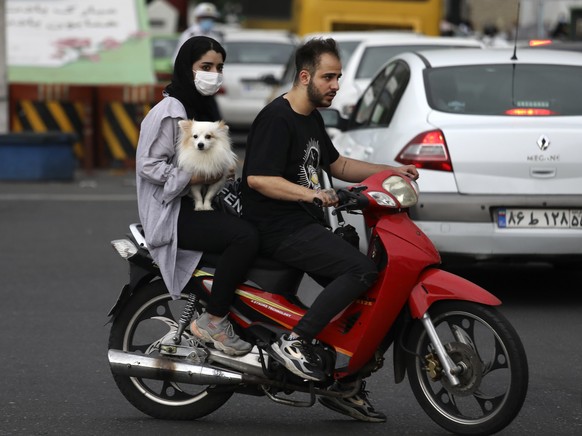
(403, 192)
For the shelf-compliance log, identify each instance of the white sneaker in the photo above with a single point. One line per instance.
(299, 358)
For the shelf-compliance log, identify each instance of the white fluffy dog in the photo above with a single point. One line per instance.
(205, 149)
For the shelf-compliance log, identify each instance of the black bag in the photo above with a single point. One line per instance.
(348, 233)
(228, 199)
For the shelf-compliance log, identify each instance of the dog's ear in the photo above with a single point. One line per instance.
(223, 125)
(185, 125)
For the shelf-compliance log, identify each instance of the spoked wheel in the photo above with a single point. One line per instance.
(143, 322)
(493, 369)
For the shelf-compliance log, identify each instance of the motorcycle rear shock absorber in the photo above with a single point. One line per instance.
(186, 316)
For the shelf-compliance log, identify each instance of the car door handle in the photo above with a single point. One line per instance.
(542, 173)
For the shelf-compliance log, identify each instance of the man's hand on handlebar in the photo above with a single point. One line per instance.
(407, 170)
(325, 198)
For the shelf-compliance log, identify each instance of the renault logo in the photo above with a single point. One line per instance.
(543, 142)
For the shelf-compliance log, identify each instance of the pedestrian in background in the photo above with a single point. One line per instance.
(205, 15)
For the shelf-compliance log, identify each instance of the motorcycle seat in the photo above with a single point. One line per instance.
(267, 274)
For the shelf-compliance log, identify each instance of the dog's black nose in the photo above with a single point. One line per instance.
(201, 145)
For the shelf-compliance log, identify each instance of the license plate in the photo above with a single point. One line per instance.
(254, 87)
(540, 218)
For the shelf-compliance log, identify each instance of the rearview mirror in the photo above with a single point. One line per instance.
(332, 118)
(270, 80)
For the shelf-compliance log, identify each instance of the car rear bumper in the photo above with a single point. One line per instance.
(466, 225)
(486, 240)
(483, 208)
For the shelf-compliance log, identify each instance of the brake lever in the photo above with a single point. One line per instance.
(354, 190)
(358, 189)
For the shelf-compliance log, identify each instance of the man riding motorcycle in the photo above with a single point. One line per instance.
(286, 149)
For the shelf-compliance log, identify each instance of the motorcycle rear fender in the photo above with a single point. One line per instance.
(435, 285)
(138, 276)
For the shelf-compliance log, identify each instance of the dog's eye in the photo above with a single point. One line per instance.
(208, 136)
(195, 136)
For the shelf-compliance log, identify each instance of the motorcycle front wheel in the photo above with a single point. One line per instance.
(146, 318)
(494, 370)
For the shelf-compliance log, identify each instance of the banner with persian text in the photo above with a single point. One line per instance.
(78, 41)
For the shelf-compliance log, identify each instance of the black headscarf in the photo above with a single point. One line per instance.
(198, 106)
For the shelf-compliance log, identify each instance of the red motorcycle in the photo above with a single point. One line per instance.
(465, 363)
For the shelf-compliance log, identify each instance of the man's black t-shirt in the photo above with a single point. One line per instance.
(284, 143)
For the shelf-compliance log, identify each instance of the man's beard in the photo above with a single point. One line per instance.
(315, 97)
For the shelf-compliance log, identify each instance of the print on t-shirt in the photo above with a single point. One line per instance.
(308, 176)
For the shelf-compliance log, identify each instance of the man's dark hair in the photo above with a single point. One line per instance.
(308, 56)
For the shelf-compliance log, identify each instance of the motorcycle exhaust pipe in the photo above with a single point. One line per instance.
(160, 368)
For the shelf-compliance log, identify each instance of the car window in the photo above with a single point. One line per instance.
(376, 106)
(389, 96)
(346, 50)
(257, 52)
(368, 99)
(519, 89)
(374, 57)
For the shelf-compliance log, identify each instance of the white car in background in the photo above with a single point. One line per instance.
(254, 60)
(369, 56)
(497, 142)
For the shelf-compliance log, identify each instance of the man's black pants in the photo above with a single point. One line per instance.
(341, 268)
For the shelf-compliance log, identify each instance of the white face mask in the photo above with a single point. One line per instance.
(207, 82)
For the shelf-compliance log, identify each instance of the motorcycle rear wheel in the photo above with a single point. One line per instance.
(495, 380)
(135, 330)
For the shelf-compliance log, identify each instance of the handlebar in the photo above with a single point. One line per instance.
(349, 199)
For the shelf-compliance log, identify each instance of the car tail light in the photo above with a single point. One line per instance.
(427, 150)
(538, 42)
(530, 112)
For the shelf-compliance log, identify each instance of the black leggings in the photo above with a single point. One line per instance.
(218, 232)
(342, 269)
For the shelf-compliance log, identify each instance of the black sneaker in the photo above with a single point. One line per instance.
(357, 406)
(298, 357)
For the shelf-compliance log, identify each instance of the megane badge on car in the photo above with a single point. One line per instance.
(543, 142)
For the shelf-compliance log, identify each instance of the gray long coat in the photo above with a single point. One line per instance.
(160, 186)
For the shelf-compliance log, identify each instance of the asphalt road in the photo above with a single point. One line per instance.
(59, 278)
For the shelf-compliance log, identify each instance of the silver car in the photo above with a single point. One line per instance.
(255, 59)
(497, 138)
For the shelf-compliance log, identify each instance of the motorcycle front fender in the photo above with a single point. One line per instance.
(435, 285)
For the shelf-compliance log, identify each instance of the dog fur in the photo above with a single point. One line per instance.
(205, 149)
